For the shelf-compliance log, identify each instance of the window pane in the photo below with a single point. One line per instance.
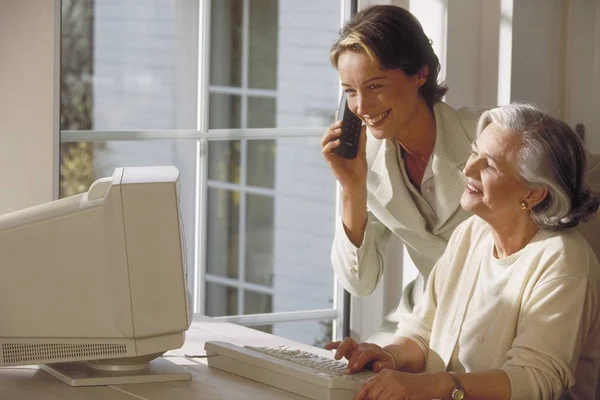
(288, 232)
(76, 89)
(129, 65)
(261, 112)
(261, 163)
(262, 66)
(307, 84)
(223, 214)
(76, 95)
(257, 303)
(77, 170)
(287, 56)
(85, 162)
(304, 224)
(225, 111)
(259, 239)
(220, 300)
(314, 333)
(226, 43)
(224, 161)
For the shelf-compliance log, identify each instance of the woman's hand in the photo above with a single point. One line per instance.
(351, 174)
(359, 355)
(389, 384)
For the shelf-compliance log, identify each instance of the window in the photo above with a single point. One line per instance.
(257, 200)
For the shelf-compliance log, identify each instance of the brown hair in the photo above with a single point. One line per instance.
(393, 39)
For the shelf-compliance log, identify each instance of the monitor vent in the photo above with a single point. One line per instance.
(23, 353)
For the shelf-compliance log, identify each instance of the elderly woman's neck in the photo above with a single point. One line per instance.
(510, 239)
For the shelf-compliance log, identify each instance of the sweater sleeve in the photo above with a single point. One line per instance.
(560, 311)
(360, 268)
(417, 325)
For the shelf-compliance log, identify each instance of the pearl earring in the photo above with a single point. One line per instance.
(523, 204)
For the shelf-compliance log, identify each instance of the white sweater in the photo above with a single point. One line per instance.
(533, 314)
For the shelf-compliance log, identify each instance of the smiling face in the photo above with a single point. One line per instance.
(386, 100)
(494, 190)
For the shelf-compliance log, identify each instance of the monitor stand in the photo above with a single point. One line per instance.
(84, 373)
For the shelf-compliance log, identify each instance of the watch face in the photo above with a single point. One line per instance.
(458, 394)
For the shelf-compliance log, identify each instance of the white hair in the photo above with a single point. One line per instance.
(551, 156)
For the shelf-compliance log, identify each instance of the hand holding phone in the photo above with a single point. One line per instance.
(351, 126)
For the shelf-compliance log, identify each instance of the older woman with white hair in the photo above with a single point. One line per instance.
(511, 308)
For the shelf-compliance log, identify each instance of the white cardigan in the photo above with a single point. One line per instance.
(542, 326)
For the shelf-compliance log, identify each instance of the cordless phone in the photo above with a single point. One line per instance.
(351, 126)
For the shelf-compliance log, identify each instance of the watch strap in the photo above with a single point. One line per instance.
(458, 387)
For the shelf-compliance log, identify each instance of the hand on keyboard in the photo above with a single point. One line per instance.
(297, 371)
(401, 385)
(313, 361)
(362, 355)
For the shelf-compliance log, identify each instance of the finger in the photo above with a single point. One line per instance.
(388, 394)
(366, 355)
(379, 366)
(348, 342)
(354, 363)
(346, 348)
(372, 352)
(332, 345)
(353, 358)
(376, 391)
(384, 362)
(328, 148)
(332, 133)
(362, 394)
(362, 141)
(384, 388)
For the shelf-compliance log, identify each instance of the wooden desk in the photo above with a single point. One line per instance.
(29, 382)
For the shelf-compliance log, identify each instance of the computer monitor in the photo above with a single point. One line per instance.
(93, 286)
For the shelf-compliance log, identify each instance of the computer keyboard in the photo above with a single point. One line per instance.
(296, 371)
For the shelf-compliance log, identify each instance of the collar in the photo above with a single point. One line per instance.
(450, 153)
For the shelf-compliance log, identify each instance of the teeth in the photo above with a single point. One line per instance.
(373, 121)
(472, 188)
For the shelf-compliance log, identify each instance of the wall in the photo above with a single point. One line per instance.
(583, 70)
(539, 53)
(472, 52)
(28, 102)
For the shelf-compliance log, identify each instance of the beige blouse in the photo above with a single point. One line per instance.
(392, 209)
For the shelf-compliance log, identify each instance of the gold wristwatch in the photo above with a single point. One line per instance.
(458, 393)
